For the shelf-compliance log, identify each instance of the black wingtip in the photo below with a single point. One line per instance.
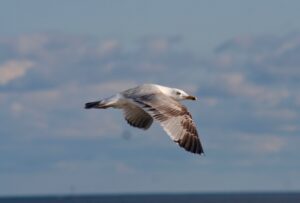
(191, 144)
(201, 152)
(90, 105)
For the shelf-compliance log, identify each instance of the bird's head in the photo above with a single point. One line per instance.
(179, 95)
(176, 94)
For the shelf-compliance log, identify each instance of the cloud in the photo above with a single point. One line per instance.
(56, 111)
(158, 44)
(108, 47)
(14, 69)
(28, 44)
(263, 144)
(279, 113)
(272, 57)
(250, 86)
(262, 69)
(290, 128)
(74, 67)
(236, 84)
(62, 59)
(245, 109)
(110, 86)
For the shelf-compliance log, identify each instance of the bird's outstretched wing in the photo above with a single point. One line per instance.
(173, 117)
(137, 117)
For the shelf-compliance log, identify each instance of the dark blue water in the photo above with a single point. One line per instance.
(163, 198)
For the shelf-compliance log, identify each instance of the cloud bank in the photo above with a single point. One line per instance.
(248, 90)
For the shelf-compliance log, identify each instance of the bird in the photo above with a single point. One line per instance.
(146, 103)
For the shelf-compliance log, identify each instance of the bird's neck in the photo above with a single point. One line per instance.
(164, 90)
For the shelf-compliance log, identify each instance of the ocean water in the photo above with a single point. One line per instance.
(163, 198)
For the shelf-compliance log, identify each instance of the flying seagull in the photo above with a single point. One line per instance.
(145, 103)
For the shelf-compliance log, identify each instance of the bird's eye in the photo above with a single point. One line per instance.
(178, 93)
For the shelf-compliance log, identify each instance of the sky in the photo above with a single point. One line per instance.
(240, 58)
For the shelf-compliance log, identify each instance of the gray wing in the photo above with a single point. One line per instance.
(174, 118)
(137, 117)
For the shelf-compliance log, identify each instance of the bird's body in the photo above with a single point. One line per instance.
(145, 103)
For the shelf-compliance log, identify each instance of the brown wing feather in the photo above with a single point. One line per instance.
(137, 117)
(174, 118)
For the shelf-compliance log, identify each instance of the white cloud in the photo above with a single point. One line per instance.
(43, 97)
(290, 128)
(27, 44)
(270, 144)
(33, 103)
(14, 69)
(277, 113)
(108, 47)
(159, 45)
(209, 101)
(224, 60)
(237, 84)
(262, 144)
(110, 87)
(73, 70)
(62, 59)
(94, 125)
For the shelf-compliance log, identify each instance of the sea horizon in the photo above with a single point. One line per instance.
(225, 196)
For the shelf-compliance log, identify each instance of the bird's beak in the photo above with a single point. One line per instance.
(190, 97)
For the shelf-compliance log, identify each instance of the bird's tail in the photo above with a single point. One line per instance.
(104, 103)
(96, 105)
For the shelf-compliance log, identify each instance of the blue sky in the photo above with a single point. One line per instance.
(240, 58)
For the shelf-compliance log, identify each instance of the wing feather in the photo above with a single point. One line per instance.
(173, 117)
(137, 117)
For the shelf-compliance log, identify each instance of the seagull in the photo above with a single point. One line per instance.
(145, 103)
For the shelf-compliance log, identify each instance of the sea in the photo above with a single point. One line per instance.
(162, 198)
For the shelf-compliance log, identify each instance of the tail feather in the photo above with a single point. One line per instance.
(104, 103)
(96, 104)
